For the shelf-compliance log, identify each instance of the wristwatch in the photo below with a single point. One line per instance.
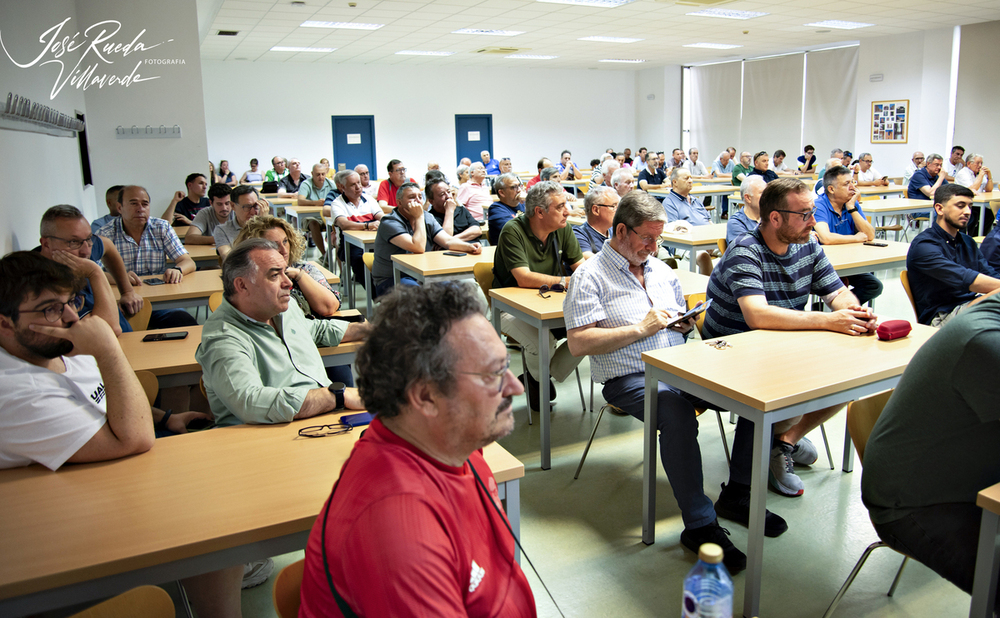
(337, 388)
(851, 211)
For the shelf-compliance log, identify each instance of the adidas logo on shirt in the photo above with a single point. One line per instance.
(476, 576)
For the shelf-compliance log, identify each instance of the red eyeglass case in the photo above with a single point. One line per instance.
(893, 329)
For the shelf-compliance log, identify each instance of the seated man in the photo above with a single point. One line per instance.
(389, 188)
(680, 206)
(491, 164)
(314, 192)
(525, 257)
(184, 206)
(979, 179)
(568, 170)
(602, 176)
(946, 269)
(353, 209)
(618, 307)
(696, 167)
(475, 195)
(542, 164)
(370, 188)
(868, 176)
(259, 352)
(409, 229)
(723, 168)
(623, 181)
(778, 165)
(926, 180)
(279, 169)
(763, 282)
(220, 212)
(746, 219)
(742, 169)
(599, 206)
(144, 244)
(840, 221)
(807, 161)
(917, 162)
(437, 378)
(246, 204)
(454, 219)
(954, 163)
(510, 202)
(506, 166)
(920, 495)
(293, 179)
(552, 173)
(761, 167)
(66, 238)
(111, 200)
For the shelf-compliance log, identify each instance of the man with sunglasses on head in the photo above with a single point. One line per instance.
(764, 281)
(538, 250)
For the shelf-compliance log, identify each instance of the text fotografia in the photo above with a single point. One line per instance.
(97, 48)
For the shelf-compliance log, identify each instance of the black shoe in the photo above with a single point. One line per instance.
(693, 539)
(734, 505)
(534, 387)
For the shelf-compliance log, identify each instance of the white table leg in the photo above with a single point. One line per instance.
(543, 397)
(649, 459)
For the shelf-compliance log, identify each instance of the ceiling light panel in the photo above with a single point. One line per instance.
(344, 25)
(728, 14)
(713, 45)
(415, 52)
(839, 25)
(601, 4)
(319, 50)
(483, 32)
(627, 60)
(610, 39)
(531, 57)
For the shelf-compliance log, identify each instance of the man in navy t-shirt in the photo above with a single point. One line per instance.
(184, 206)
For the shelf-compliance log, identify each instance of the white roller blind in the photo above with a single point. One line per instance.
(831, 101)
(715, 108)
(772, 105)
(976, 128)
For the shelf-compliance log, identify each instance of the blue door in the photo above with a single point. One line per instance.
(354, 142)
(473, 134)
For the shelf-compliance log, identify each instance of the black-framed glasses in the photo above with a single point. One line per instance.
(501, 374)
(76, 244)
(54, 311)
(558, 287)
(257, 206)
(805, 215)
(399, 170)
(322, 431)
(611, 206)
(646, 239)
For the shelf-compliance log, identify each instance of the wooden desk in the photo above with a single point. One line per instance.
(364, 240)
(204, 256)
(188, 506)
(182, 231)
(894, 207)
(279, 203)
(984, 585)
(700, 238)
(983, 201)
(720, 189)
(436, 266)
(692, 283)
(298, 215)
(883, 191)
(765, 393)
(857, 258)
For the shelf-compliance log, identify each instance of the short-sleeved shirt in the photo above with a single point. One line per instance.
(739, 169)
(723, 170)
(604, 292)
(778, 168)
(366, 210)
(519, 247)
(206, 221)
(300, 298)
(189, 209)
(97, 224)
(697, 168)
(919, 179)
(226, 233)
(461, 221)
(656, 178)
(738, 225)
(950, 169)
(965, 177)
(290, 185)
(493, 168)
(941, 269)
(596, 180)
(499, 215)
(750, 268)
(476, 198)
(96, 253)
(768, 175)
(391, 226)
(936, 440)
(272, 176)
(870, 176)
(803, 164)
(149, 257)
(387, 192)
(46, 417)
(839, 224)
(590, 239)
(680, 209)
(309, 191)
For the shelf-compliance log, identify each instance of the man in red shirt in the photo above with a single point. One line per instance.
(387, 190)
(429, 538)
(542, 164)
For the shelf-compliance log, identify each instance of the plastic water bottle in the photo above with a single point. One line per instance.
(708, 589)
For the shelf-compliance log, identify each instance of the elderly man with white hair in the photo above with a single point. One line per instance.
(623, 181)
(746, 219)
(475, 195)
(600, 206)
(604, 174)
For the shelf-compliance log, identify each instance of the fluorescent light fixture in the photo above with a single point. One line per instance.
(630, 60)
(728, 14)
(610, 39)
(601, 4)
(838, 24)
(318, 50)
(531, 57)
(488, 32)
(345, 25)
(713, 45)
(415, 52)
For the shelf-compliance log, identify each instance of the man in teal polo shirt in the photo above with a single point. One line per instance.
(535, 250)
(258, 351)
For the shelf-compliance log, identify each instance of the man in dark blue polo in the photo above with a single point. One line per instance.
(510, 201)
(600, 206)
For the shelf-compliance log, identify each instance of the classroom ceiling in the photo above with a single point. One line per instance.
(552, 29)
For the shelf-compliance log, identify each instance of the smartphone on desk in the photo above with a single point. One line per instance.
(456, 253)
(877, 243)
(153, 281)
(166, 336)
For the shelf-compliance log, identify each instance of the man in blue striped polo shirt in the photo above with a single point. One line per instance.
(764, 281)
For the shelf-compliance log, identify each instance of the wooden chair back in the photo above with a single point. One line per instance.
(140, 321)
(483, 272)
(861, 417)
(214, 301)
(723, 245)
(285, 593)
(692, 301)
(149, 601)
(369, 259)
(150, 385)
(904, 279)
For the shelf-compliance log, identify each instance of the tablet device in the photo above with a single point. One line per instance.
(690, 314)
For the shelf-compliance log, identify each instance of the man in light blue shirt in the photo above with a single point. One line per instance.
(723, 168)
(680, 206)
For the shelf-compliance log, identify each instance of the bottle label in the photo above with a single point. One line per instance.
(710, 607)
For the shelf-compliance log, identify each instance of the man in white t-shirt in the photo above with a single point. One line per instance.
(778, 166)
(975, 175)
(695, 166)
(868, 176)
(353, 209)
(953, 164)
(915, 163)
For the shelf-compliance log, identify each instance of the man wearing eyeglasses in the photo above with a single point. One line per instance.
(600, 205)
(916, 163)
(388, 188)
(763, 282)
(621, 304)
(868, 176)
(246, 204)
(535, 250)
(510, 202)
(278, 170)
(66, 238)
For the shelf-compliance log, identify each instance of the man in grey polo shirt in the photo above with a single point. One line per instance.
(246, 204)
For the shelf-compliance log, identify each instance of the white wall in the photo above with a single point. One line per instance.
(536, 112)
(915, 66)
(658, 121)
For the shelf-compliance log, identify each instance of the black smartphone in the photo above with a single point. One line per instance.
(456, 253)
(877, 243)
(349, 317)
(153, 281)
(690, 314)
(166, 336)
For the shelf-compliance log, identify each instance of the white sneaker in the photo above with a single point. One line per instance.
(256, 573)
(805, 453)
(782, 476)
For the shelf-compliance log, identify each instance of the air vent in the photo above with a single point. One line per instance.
(228, 32)
(500, 50)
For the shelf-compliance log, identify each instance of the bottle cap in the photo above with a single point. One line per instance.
(710, 553)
